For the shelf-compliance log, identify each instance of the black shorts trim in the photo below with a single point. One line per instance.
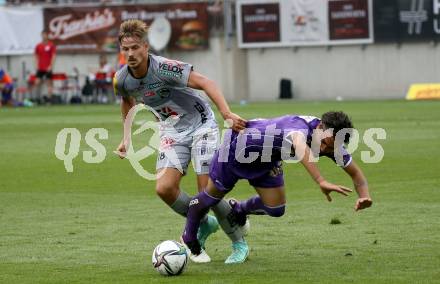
(44, 74)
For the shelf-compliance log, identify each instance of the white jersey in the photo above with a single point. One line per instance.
(165, 89)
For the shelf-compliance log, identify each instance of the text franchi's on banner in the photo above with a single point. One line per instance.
(95, 29)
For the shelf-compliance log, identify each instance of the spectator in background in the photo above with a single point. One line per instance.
(6, 88)
(44, 59)
(103, 79)
(105, 67)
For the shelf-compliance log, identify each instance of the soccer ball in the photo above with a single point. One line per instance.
(170, 258)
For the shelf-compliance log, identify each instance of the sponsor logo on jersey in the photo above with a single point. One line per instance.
(201, 109)
(156, 85)
(149, 94)
(166, 143)
(166, 112)
(171, 68)
(173, 62)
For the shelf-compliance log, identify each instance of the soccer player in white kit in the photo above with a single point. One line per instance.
(168, 87)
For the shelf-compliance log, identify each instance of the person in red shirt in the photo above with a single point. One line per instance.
(6, 87)
(44, 59)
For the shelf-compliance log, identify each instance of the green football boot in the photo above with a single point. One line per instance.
(207, 228)
(240, 252)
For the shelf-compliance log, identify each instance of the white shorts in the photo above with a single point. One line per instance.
(178, 149)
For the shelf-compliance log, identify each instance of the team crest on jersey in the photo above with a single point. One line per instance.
(164, 93)
(277, 170)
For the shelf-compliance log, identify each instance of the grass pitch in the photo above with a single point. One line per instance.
(100, 223)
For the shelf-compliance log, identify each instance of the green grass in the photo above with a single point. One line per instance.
(100, 223)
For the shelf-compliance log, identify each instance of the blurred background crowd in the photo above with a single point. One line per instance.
(66, 51)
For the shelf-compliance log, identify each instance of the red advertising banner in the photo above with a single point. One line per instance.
(260, 22)
(348, 19)
(95, 29)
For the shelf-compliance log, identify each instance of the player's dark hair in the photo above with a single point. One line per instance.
(337, 120)
(133, 28)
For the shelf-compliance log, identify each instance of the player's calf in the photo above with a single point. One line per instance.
(277, 211)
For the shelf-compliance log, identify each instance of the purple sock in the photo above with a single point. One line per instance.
(255, 206)
(198, 207)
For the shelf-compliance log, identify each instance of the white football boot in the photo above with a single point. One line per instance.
(202, 257)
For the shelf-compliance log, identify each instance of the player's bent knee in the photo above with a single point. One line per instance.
(275, 211)
(166, 191)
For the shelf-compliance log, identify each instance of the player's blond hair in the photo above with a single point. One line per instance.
(133, 28)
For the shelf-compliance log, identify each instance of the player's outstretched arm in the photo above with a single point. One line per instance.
(303, 152)
(200, 82)
(126, 104)
(361, 186)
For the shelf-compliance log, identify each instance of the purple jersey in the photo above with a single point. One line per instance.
(257, 152)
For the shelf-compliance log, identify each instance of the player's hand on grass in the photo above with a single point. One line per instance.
(237, 122)
(327, 188)
(362, 203)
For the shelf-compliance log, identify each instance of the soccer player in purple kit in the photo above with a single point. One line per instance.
(256, 153)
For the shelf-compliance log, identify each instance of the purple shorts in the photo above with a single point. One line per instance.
(263, 175)
(7, 93)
